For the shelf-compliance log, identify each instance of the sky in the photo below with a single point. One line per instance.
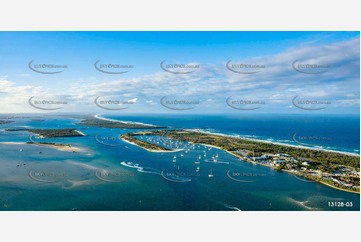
(226, 72)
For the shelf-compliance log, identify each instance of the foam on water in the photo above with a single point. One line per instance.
(140, 169)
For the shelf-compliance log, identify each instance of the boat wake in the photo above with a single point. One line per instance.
(173, 177)
(140, 169)
(302, 204)
(231, 207)
(216, 161)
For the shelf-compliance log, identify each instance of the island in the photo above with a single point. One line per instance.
(56, 133)
(5, 121)
(50, 133)
(97, 122)
(335, 169)
(61, 147)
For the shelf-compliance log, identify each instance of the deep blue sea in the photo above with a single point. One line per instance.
(109, 174)
(332, 132)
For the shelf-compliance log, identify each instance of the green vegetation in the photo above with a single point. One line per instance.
(143, 144)
(50, 133)
(320, 160)
(335, 169)
(47, 143)
(91, 121)
(55, 133)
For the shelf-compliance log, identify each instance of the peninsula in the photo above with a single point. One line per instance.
(338, 170)
(97, 122)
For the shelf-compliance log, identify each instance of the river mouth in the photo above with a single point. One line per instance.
(201, 176)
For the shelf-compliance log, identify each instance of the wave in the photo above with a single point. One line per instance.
(231, 207)
(130, 164)
(218, 161)
(120, 121)
(140, 169)
(175, 178)
(278, 142)
(149, 170)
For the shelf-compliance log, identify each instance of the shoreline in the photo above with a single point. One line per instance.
(155, 151)
(274, 142)
(12, 143)
(291, 172)
(338, 188)
(271, 167)
(97, 116)
(67, 148)
(79, 132)
(265, 165)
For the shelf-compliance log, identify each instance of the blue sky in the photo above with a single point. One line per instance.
(211, 84)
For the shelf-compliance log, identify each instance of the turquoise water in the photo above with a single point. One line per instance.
(109, 174)
(332, 132)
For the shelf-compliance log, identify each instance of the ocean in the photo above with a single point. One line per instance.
(107, 174)
(331, 132)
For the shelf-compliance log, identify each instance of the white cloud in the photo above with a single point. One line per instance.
(278, 82)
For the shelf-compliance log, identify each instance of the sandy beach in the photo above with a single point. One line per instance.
(57, 147)
(61, 147)
(12, 143)
(273, 142)
(97, 116)
(81, 133)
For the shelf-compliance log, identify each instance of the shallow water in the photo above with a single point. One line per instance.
(109, 174)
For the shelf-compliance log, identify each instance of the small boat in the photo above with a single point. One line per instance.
(210, 175)
(214, 159)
